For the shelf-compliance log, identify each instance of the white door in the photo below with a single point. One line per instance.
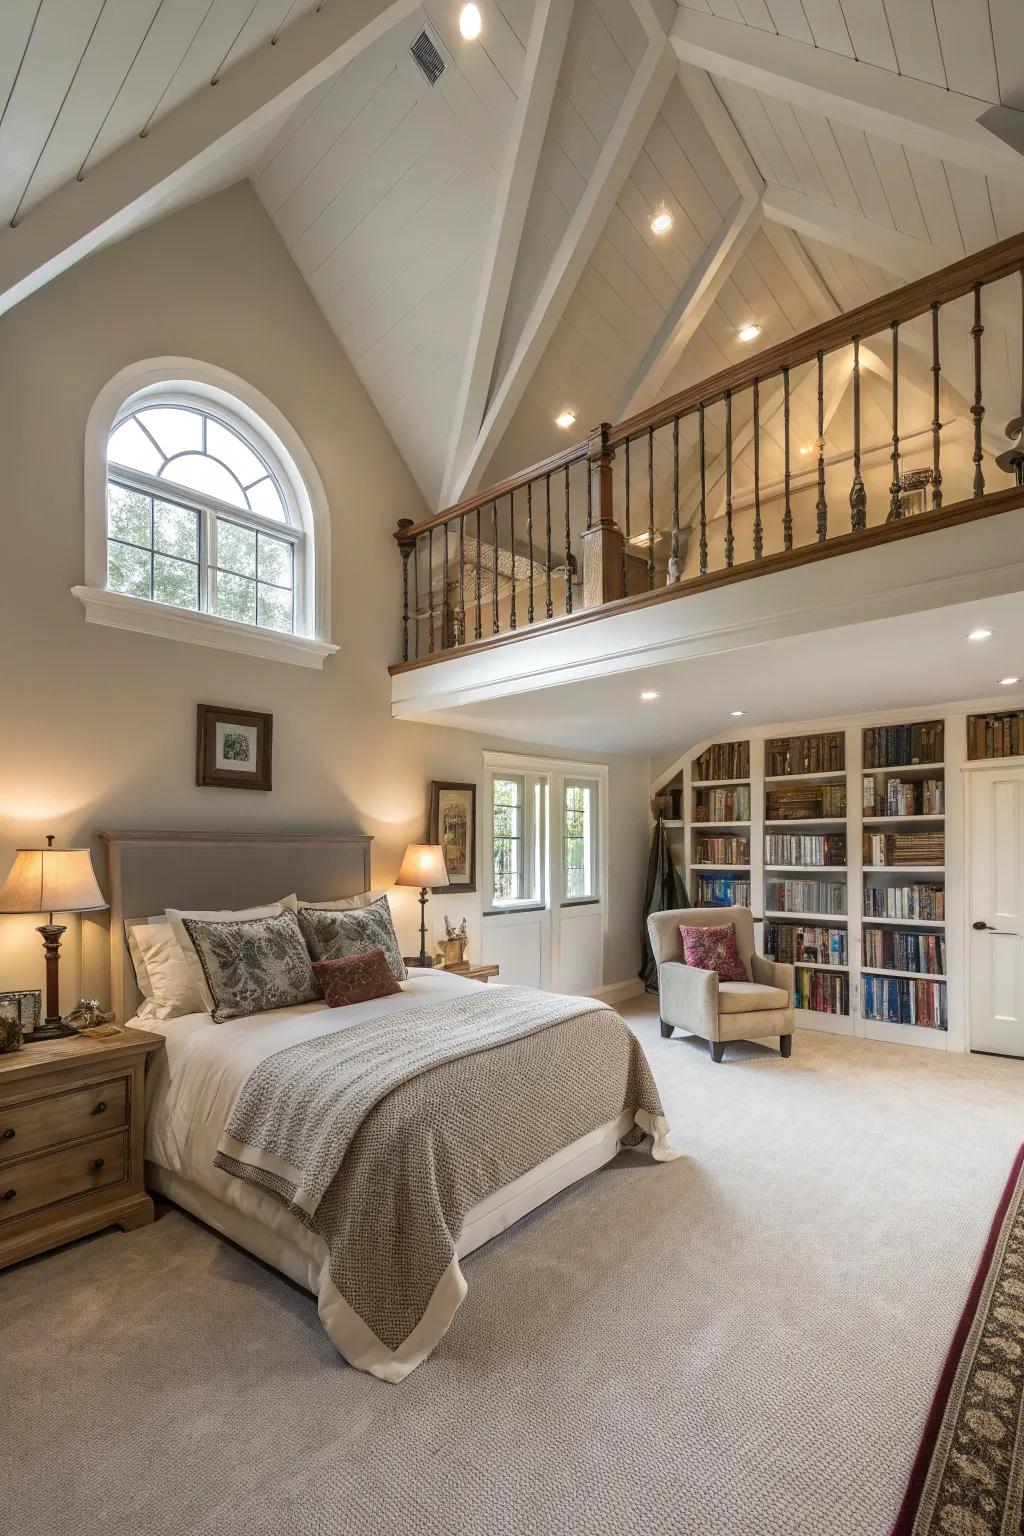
(995, 910)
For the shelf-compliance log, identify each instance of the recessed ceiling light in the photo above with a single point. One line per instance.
(1008, 682)
(565, 419)
(737, 712)
(980, 634)
(469, 22)
(649, 694)
(662, 222)
(749, 332)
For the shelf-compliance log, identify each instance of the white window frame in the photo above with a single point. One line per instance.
(534, 842)
(555, 773)
(174, 380)
(594, 894)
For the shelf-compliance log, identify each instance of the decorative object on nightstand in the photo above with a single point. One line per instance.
(71, 1140)
(451, 950)
(27, 1005)
(51, 880)
(10, 1031)
(423, 865)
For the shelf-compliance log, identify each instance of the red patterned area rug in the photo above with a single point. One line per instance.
(968, 1476)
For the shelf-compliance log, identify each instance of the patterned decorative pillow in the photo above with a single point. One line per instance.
(714, 949)
(356, 979)
(253, 964)
(334, 935)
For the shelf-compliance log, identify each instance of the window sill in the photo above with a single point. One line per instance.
(118, 611)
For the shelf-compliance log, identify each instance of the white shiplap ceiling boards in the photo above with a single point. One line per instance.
(482, 247)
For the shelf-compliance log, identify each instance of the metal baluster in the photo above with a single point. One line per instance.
(978, 409)
(406, 550)
(568, 547)
(703, 493)
(445, 602)
(430, 587)
(822, 504)
(625, 543)
(478, 627)
(758, 526)
(416, 595)
(650, 509)
(460, 633)
(895, 503)
(590, 498)
(936, 419)
(729, 540)
(512, 555)
(529, 540)
(673, 562)
(858, 493)
(788, 472)
(494, 568)
(548, 609)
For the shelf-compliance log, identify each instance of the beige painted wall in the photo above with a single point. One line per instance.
(98, 724)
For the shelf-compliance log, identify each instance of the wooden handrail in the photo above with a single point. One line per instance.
(571, 455)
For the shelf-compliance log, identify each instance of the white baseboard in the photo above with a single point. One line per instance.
(619, 991)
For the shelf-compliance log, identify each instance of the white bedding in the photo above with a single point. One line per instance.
(191, 1090)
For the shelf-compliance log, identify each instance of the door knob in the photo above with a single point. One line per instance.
(980, 926)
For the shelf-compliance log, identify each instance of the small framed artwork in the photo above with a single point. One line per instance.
(234, 748)
(26, 1006)
(453, 825)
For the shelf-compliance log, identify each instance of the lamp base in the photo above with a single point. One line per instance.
(51, 1029)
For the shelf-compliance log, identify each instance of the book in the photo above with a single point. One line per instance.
(893, 949)
(890, 849)
(813, 849)
(820, 753)
(925, 902)
(723, 760)
(825, 896)
(723, 891)
(731, 802)
(793, 942)
(721, 850)
(899, 746)
(996, 735)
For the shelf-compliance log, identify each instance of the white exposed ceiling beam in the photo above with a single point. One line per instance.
(545, 49)
(137, 179)
(632, 125)
(691, 307)
(911, 112)
(904, 256)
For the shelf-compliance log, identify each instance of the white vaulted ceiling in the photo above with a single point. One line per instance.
(482, 247)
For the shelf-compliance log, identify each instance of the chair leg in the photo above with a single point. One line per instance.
(717, 1049)
(666, 1030)
(785, 1045)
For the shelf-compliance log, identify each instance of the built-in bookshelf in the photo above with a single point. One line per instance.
(903, 968)
(805, 867)
(996, 735)
(720, 826)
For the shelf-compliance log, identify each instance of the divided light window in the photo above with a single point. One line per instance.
(579, 840)
(518, 803)
(197, 518)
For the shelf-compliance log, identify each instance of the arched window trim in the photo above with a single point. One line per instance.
(176, 380)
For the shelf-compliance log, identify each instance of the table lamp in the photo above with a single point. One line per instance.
(423, 865)
(51, 880)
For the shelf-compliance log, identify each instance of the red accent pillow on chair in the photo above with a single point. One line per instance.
(713, 949)
(356, 978)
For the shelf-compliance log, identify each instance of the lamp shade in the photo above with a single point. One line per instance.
(423, 864)
(51, 880)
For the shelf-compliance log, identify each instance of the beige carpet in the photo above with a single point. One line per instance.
(739, 1343)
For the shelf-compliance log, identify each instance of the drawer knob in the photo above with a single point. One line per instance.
(9, 1133)
(97, 1163)
(9, 1194)
(100, 1107)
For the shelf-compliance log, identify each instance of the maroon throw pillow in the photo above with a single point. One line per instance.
(713, 949)
(356, 978)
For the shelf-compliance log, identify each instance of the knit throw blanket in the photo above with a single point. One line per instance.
(381, 1137)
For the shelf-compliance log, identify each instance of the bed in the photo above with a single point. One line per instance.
(198, 1082)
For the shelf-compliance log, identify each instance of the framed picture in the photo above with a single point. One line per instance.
(25, 1005)
(453, 825)
(233, 748)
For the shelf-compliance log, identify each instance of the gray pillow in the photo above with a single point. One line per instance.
(334, 935)
(253, 964)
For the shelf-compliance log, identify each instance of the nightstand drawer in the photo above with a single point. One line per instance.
(36, 1124)
(40, 1181)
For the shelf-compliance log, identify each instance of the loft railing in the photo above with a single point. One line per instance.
(873, 426)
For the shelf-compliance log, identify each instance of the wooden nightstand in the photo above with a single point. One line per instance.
(478, 972)
(71, 1130)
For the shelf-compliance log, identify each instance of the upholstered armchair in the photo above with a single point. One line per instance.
(720, 1011)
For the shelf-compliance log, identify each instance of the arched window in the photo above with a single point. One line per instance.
(203, 515)
(198, 516)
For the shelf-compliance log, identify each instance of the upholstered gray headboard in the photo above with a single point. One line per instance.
(149, 871)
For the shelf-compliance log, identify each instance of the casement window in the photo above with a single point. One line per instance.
(205, 519)
(579, 840)
(518, 815)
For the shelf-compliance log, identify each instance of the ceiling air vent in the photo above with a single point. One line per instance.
(424, 50)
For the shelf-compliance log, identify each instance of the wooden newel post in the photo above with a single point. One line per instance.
(603, 539)
(406, 546)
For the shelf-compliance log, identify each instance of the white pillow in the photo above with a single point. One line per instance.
(162, 972)
(364, 899)
(195, 966)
